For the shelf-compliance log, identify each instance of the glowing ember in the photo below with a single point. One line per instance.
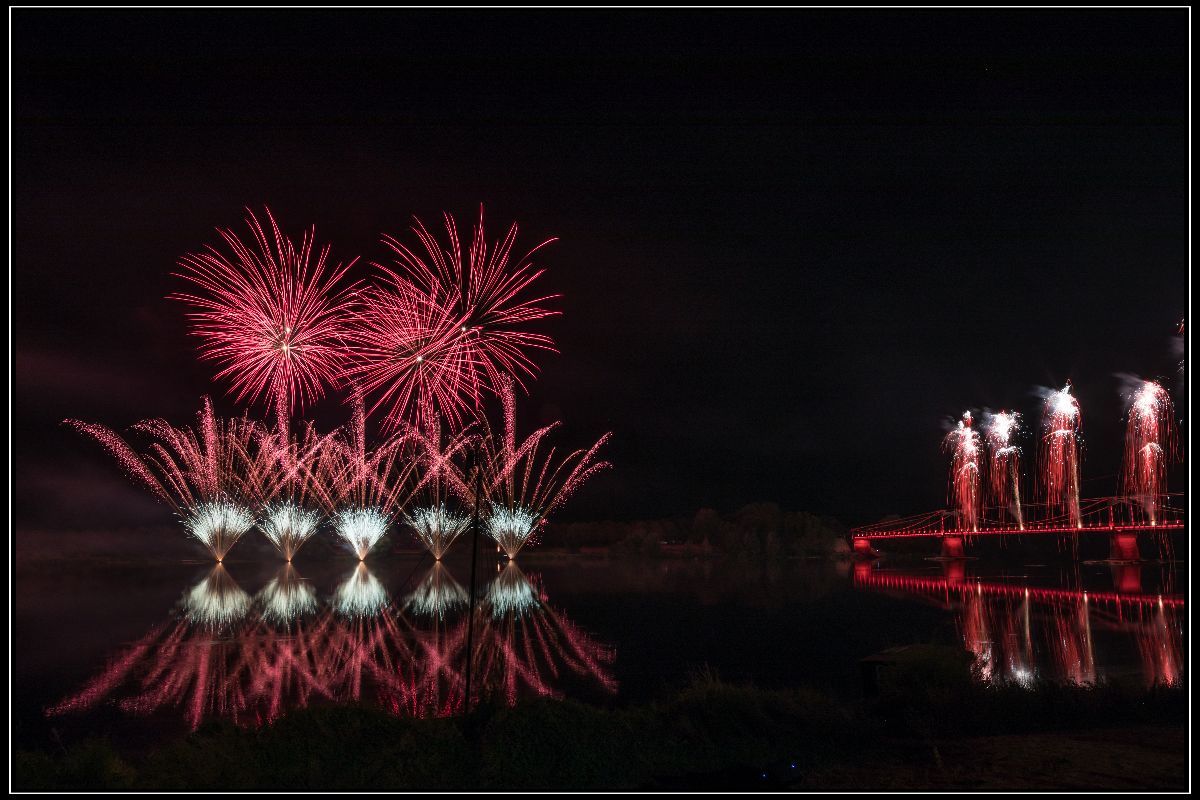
(272, 322)
(289, 526)
(1149, 446)
(1005, 465)
(963, 444)
(1060, 453)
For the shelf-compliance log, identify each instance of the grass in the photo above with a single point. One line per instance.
(928, 729)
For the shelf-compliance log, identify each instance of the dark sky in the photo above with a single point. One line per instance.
(792, 244)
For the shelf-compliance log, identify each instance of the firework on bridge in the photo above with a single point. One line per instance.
(1150, 447)
(1061, 423)
(1004, 463)
(964, 486)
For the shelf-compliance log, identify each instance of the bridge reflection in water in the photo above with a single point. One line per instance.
(1025, 633)
(225, 655)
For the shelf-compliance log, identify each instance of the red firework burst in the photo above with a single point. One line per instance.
(481, 289)
(409, 351)
(273, 322)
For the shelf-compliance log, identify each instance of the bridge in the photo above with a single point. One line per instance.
(1120, 518)
(1018, 631)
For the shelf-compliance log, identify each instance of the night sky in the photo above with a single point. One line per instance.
(792, 244)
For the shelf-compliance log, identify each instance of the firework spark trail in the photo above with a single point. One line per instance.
(963, 444)
(365, 488)
(1060, 453)
(273, 323)
(206, 474)
(521, 490)
(218, 525)
(408, 350)
(483, 288)
(286, 486)
(1149, 447)
(289, 526)
(437, 527)
(1005, 466)
(434, 523)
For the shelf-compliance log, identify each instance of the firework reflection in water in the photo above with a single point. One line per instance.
(438, 594)
(360, 595)
(216, 601)
(287, 597)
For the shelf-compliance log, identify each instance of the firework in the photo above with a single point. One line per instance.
(217, 600)
(512, 528)
(360, 595)
(364, 488)
(1005, 467)
(207, 474)
(361, 528)
(272, 321)
(521, 489)
(1149, 446)
(1060, 453)
(963, 444)
(287, 597)
(218, 525)
(437, 595)
(409, 351)
(434, 523)
(484, 287)
(437, 528)
(289, 526)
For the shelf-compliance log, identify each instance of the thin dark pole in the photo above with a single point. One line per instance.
(474, 558)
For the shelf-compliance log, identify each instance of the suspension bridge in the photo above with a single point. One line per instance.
(1120, 518)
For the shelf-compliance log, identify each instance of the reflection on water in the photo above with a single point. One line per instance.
(217, 600)
(287, 597)
(437, 595)
(220, 655)
(361, 594)
(1023, 633)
